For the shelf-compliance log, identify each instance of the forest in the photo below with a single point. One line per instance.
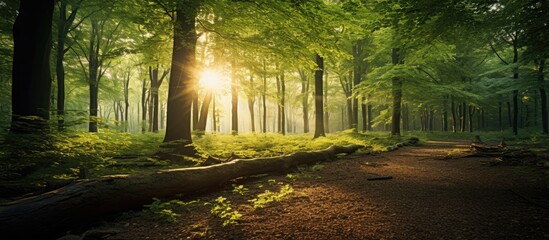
(255, 119)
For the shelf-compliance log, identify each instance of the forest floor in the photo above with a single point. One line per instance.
(435, 193)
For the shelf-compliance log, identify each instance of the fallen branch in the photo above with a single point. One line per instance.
(380, 178)
(50, 214)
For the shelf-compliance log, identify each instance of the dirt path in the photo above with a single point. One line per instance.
(429, 197)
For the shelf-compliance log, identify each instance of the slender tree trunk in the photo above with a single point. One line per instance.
(445, 114)
(370, 117)
(283, 103)
(94, 90)
(251, 102)
(234, 100)
(264, 98)
(214, 119)
(31, 85)
(195, 106)
(204, 112)
(326, 112)
(364, 114)
(93, 66)
(463, 117)
(180, 93)
(278, 105)
(59, 66)
(319, 100)
(515, 92)
(543, 97)
(472, 111)
(454, 117)
(397, 95)
(305, 99)
(126, 101)
(144, 106)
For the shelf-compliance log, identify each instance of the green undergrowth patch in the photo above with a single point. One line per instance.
(526, 137)
(267, 197)
(168, 210)
(251, 145)
(222, 208)
(64, 156)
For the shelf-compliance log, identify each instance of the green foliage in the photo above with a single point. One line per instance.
(59, 155)
(222, 208)
(263, 199)
(240, 189)
(250, 145)
(168, 210)
(318, 167)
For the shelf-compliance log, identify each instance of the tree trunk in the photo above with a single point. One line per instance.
(364, 114)
(471, 114)
(234, 100)
(156, 82)
(251, 102)
(397, 95)
(370, 117)
(463, 117)
(214, 119)
(326, 112)
(278, 104)
(180, 93)
(305, 99)
(204, 112)
(282, 103)
(515, 92)
(144, 106)
(319, 105)
(94, 91)
(543, 97)
(59, 66)
(263, 97)
(31, 85)
(445, 114)
(454, 117)
(51, 214)
(126, 101)
(195, 105)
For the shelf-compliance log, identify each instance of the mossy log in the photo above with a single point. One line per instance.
(51, 214)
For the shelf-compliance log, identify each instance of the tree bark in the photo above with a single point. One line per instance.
(180, 93)
(319, 100)
(515, 92)
(326, 112)
(204, 112)
(471, 114)
(156, 82)
(282, 103)
(264, 97)
(251, 102)
(397, 95)
(31, 85)
(51, 214)
(126, 101)
(445, 114)
(364, 114)
(305, 99)
(144, 106)
(543, 97)
(234, 100)
(370, 117)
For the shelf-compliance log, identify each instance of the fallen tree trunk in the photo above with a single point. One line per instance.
(50, 214)
(502, 155)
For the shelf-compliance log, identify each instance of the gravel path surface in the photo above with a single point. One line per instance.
(430, 196)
